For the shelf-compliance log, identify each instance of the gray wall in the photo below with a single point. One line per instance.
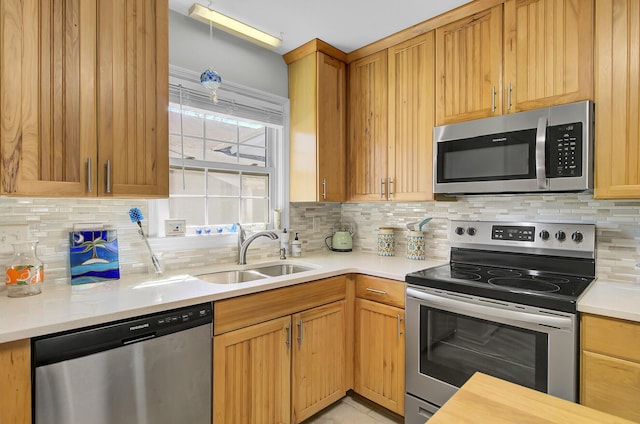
(236, 60)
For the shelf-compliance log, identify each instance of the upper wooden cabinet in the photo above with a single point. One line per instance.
(617, 84)
(545, 47)
(469, 67)
(133, 98)
(317, 91)
(391, 111)
(368, 128)
(84, 91)
(48, 90)
(411, 117)
(548, 53)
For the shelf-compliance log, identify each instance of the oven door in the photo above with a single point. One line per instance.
(450, 336)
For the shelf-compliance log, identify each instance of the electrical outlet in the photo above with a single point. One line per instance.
(175, 227)
(10, 234)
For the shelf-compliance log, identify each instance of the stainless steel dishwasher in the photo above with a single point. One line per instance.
(152, 369)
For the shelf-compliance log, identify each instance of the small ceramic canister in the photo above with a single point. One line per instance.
(386, 242)
(415, 245)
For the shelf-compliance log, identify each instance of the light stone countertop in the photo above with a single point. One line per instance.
(65, 307)
(616, 300)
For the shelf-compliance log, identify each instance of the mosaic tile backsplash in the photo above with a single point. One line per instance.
(50, 220)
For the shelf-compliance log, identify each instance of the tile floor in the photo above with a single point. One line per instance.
(354, 409)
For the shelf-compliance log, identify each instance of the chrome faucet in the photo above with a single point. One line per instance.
(244, 242)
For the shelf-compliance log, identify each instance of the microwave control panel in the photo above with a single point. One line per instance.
(564, 150)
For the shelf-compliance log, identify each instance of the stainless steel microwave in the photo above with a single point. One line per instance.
(542, 150)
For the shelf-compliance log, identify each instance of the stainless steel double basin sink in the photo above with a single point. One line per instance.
(251, 274)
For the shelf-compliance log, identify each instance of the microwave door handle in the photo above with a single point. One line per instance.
(465, 308)
(541, 141)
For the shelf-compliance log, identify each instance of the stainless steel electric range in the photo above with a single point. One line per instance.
(504, 305)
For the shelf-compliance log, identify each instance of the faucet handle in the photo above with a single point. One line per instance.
(241, 233)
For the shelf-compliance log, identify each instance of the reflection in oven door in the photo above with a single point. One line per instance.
(455, 346)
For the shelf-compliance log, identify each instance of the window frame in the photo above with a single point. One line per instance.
(235, 94)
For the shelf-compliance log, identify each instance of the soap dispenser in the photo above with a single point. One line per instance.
(296, 247)
(284, 241)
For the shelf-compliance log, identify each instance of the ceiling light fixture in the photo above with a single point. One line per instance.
(232, 26)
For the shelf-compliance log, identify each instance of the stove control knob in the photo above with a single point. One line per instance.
(577, 237)
(544, 235)
(561, 236)
(459, 231)
(471, 231)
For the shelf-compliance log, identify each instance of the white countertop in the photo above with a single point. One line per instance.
(617, 300)
(64, 307)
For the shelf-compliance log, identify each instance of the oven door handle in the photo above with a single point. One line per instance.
(467, 308)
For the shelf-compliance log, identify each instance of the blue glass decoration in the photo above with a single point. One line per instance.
(211, 80)
(94, 256)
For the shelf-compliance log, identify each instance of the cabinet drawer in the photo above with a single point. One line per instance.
(238, 312)
(381, 290)
(610, 385)
(610, 336)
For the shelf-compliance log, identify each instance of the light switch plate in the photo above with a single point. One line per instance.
(175, 227)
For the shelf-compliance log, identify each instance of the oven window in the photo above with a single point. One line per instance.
(453, 347)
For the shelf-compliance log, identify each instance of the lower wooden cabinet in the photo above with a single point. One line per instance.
(319, 362)
(379, 353)
(15, 382)
(610, 366)
(252, 374)
(285, 369)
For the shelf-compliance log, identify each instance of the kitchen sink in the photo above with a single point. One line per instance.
(231, 277)
(252, 274)
(281, 269)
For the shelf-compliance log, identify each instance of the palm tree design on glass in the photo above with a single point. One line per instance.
(94, 256)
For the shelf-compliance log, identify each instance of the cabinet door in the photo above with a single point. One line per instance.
(368, 128)
(332, 130)
(548, 53)
(617, 88)
(251, 374)
(15, 382)
(47, 102)
(318, 129)
(319, 359)
(610, 385)
(411, 118)
(469, 67)
(133, 87)
(379, 354)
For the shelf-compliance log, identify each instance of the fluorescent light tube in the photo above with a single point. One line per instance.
(232, 26)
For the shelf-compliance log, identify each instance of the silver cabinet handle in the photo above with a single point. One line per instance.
(108, 176)
(382, 189)
(509, 96)
(493, 98)
(399, 327)
(324, 188)
(541, 141)
(300, 333)
(89, 175)
(390, 190)
(287, 341)
(376, 290)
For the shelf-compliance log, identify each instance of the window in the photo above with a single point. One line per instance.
(228, 161)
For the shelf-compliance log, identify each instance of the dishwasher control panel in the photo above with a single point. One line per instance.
(83, 341)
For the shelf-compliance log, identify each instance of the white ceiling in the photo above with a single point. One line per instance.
(345, 24)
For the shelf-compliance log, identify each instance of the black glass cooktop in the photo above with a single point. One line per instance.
(529, 287)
